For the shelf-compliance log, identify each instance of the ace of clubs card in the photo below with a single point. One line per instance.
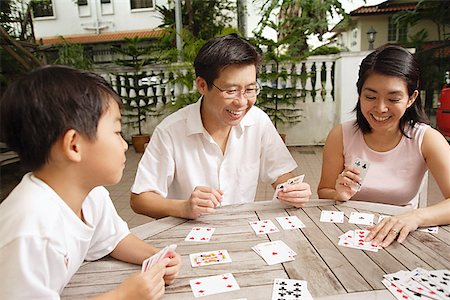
(361, 218)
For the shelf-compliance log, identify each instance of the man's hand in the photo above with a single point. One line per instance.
(203, 200)
(385, 232)
(295, 194)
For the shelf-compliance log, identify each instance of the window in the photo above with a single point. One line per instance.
(141, 4)
(395, 32)
(402, 33)
(42, 9)
(392, 30)
(82, 2)
(105, 1)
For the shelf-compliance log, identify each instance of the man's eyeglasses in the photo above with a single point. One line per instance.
(234, 93)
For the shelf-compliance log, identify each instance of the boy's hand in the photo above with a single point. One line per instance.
(148, 285)
(295, 194)
(172, 268)
(203, 200)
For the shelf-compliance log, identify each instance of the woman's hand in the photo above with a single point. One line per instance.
(396, 227)
(347, 183)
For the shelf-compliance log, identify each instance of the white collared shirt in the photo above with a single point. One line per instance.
(182, 155)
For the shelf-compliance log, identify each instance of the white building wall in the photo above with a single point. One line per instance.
(71, 19)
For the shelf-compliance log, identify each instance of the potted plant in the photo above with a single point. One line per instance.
(278, 99)
(137, 88)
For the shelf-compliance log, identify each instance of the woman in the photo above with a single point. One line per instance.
(392, 135)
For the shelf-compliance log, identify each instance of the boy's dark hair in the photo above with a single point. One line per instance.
(392, 61)
(223, 51)
(40, 107)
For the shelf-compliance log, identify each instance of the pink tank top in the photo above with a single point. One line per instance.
(394, 177)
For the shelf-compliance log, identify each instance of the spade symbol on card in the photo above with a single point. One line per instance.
(363, 167)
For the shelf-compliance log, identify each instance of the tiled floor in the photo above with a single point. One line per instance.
(309, 160)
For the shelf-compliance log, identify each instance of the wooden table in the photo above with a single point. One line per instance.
(332, 272)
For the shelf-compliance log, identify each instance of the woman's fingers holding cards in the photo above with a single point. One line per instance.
(296, 194)
(343, 189)
(349, 177)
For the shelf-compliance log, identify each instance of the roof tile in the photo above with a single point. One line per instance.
(103, 37)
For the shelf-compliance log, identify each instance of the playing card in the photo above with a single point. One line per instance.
(346, 239)
(359, 241)
(200, 234)
(332, 216)
(154, 259)
(362, 166)
(441, 277)
(288, 289)
(278, 243)
(356, 239)
(399, 293)
(433, 281)
(295, 180)
(209, 258)
(280, 186)
(213, 285)
(381, 217)
(433, 229)
(263, 226)
(274, 252)
(290, 222)
(361, 218)
(403, 280)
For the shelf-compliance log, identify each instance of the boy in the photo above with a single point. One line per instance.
(65, 126)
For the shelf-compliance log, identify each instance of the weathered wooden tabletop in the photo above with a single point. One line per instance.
(332, 272)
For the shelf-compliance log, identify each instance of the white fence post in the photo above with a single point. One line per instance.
(318, 117)
(346, 75)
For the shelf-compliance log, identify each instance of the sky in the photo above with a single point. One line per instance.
(348, 5)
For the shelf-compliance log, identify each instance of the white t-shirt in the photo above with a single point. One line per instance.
(43, 242)
(182, 155)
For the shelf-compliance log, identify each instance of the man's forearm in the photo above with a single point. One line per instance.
(154, 205)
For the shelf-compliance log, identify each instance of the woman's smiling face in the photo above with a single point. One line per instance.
(384, 99)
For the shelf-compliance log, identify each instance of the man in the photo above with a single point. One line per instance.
(212, 152)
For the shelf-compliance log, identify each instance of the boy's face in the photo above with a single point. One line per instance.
(104, 157)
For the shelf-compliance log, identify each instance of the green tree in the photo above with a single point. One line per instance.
(138, 102)
(73, 55)
(431, 56)
(19, 51)
(297, 20)
(202, 20)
